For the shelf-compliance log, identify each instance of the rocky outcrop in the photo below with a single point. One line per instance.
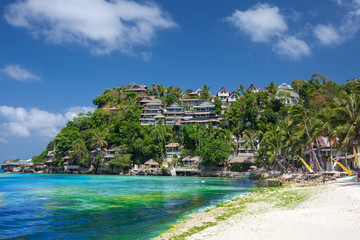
(152, 172)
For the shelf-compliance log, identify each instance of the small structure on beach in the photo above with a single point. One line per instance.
(173, 149)
(151, 164)
(243, 158)
(189, 161)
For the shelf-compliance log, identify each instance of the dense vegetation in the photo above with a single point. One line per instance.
(259, 120)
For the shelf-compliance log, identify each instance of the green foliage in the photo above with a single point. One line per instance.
(79, 154)
(120, 161)
(41, 158)
(218, 103)
(213, 152)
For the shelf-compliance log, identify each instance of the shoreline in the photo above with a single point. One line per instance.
(278, 213)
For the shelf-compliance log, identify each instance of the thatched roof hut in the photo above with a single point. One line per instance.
(243, 158)
(151, 164)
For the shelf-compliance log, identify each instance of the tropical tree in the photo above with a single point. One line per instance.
(273, 145)
(302, 119)
(99, 141)
(79, 153)
(250, 139)
(213, 152)
(345, 120)
(205, 93)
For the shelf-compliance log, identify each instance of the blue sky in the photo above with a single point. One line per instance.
(57, 56)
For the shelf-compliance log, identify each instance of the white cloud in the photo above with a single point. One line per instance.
(327, 34)
(349, 26)
(103, 26)
(261, 22)
(19, 73)
(34, 122)
(264, 23)
(293, 48)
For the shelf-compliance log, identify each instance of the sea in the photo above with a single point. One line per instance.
(52, 206)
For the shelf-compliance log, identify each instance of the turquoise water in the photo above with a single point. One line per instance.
(49, 206)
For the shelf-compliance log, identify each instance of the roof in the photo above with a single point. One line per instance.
(202, 120)
(198, 91)
(154, 102)
(137, 87)
(233, 94)
(151, 162)
(192, 159)
(159, 116)
(147, 98)
(285, 86)
(51, 153)
(243, 158)
(147, 119)
(205, 104)
(174, 105)
(173, 145)
(223, 88)
(252, 86)
(95, 150)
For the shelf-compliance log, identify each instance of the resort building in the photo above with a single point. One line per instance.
(204, 114)
(151, 112)
(189, 161)
(324, 149)
(243, 158)
(69, 165)
(286, 94)
(195, 94)
(151, 164)
(146, 99)
(253, 88)
(232, 98)
(139, 89)
(174, 114)
(189, 103)
(173, 149)
(191, 100)
(109, 154)
(223, 95)
(94, 154)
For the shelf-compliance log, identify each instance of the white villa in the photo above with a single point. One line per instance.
(286, 94)
(173, 149)
(223, 94)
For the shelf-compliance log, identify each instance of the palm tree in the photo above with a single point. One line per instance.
(197, 129)
(250, 139)
(99, 141)
(302, 118)
(273, 143)
(205, 93)
(345, 120)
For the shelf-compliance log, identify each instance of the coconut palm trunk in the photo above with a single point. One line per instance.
(317, 166)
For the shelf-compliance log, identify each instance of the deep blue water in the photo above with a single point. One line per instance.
(49, 206)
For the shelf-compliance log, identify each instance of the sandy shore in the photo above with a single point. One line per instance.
(331, 212)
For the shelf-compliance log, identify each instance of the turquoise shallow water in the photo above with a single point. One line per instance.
(48, 206)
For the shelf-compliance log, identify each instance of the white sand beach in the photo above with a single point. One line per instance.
(333, 213)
